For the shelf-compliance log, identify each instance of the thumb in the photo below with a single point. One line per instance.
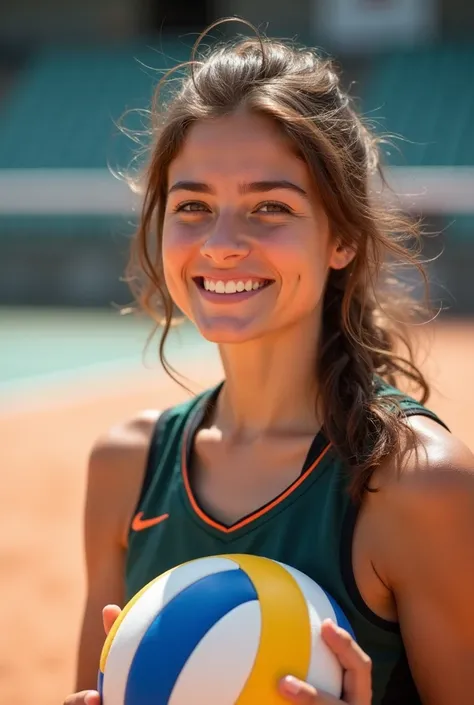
(297, 691)
(109, 616)
(92, 697)
(301, 693)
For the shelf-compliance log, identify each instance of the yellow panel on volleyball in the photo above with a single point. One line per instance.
(285, 640)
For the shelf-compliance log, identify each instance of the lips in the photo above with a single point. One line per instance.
(230, 290)
(232, 285)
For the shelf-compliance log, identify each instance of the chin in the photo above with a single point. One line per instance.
(226, 332)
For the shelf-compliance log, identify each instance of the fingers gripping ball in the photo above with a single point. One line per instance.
(221, 630)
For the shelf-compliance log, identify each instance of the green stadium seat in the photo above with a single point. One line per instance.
(62, 111)
(426, 98)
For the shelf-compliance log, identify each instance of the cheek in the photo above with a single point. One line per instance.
(303, 259)
(176, 254)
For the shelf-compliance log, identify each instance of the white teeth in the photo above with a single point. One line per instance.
(231, 286)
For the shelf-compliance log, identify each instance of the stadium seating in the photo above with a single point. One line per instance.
(424, 96)
(62, 111)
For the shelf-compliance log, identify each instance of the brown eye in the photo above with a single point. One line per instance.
(271, 208)
(191, 207)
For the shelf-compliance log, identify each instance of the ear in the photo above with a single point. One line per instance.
(341, 256)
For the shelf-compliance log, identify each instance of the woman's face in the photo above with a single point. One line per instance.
(246, 242)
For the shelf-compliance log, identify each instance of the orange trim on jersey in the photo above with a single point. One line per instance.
(254, 515)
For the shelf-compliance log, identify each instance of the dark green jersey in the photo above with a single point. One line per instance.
(309, 526)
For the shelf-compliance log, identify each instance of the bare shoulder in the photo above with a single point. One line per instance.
(117, 463)
(123, 440)
(431, 463)
(425, 499)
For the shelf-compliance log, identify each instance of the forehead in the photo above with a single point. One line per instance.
(239, 144)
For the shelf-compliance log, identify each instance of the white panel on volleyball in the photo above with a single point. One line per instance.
(143, 613)
(324, 669)
(221, 663)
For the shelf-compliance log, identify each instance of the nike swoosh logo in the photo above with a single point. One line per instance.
(139, 523)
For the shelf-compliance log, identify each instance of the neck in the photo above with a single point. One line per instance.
(271, 383)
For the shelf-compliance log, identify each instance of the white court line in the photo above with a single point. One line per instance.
(68, 387)
(39, 390)
(43, 379)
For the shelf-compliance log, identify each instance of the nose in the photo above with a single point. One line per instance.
(225, 243)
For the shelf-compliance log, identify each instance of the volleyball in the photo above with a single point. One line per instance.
(221, 630)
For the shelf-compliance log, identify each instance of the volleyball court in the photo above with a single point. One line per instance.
(44, 446)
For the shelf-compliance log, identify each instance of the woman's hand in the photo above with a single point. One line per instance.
(91, 697)
(357, 683)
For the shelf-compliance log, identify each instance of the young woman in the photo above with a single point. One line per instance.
(260, 224)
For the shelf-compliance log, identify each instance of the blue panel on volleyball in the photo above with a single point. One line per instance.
(341, 618)
(177, 630)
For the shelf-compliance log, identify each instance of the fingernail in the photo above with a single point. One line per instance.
(89, 698)
(292, 685)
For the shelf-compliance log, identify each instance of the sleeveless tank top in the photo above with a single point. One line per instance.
(309, 526)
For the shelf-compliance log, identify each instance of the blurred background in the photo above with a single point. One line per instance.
(70, 364)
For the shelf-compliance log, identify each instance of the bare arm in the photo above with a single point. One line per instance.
(116, 467)
(429, 565)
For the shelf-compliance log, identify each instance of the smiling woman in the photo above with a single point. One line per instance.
(242, 209)
(259, 224)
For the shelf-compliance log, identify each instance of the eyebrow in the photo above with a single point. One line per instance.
(253, 187)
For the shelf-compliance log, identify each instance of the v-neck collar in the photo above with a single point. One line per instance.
(317, 451)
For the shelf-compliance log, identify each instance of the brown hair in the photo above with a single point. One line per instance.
(363, 336)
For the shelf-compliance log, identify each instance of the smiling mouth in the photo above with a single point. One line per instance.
(232, 287)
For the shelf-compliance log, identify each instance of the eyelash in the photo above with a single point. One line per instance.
(282, 206)
(180, 208)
